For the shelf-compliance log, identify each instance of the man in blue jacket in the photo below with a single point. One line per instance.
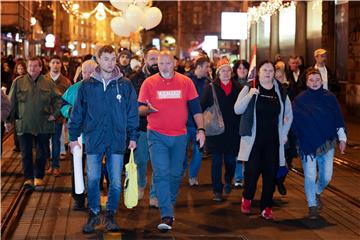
(106, 111)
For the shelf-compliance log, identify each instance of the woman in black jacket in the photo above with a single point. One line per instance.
(226, 145)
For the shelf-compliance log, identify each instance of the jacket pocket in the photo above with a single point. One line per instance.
(44, 94)
(22, 95)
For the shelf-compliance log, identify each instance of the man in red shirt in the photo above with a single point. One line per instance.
(165, 99)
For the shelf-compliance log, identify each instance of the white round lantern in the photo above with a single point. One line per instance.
(121, 4)
(134, 16)
(152, 18)
(120, 27)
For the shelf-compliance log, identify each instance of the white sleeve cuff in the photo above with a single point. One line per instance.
(341, 134)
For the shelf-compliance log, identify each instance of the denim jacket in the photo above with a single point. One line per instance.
(107, 114)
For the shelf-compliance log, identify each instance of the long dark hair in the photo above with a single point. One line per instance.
(21, 62)
(237, 64)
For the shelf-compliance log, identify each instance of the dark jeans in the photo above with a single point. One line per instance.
(55, 146)
(78, 197)
(216, 170)
(26, 143)
(264, 160)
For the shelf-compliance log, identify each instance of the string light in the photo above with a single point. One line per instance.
(100, 10)
(266, 9)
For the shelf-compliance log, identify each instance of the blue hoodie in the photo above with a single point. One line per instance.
(106, 112)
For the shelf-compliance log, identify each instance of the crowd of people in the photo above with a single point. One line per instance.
(114, 101)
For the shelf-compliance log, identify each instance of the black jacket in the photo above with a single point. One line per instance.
(229, 141)
(137, 79)
(295, 88)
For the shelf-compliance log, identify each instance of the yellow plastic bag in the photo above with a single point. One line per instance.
(131, 183)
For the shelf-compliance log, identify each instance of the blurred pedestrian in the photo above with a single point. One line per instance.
(62, 84)
(265, 122)
(124, 61)
(69, 97)
(240, 72)
(5, 112)
(200, 78)
(19, 70)
(318, 123)
(142, 150)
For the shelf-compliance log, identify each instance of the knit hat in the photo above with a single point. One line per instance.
(319, 51)
(125, 51)
(224, 62)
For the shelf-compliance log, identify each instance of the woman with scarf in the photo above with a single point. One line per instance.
(265, 122)
(318, 123)
(225, 146)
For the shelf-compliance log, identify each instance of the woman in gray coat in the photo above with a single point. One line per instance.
(265, 122)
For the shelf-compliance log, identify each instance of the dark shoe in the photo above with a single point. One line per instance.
(227, 188)
(218, 197)
(318, 202)
(79, 205)
(110, 223)
(281, 188)
(93, 220)
(313, 212)
(166, 224)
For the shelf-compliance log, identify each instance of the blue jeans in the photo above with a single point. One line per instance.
(55, 145)
(114, 165)
(167, 159)
(239, 171)
(195, 163)
(26, 146)
(216, 170)
(141, 159)
(315, 185)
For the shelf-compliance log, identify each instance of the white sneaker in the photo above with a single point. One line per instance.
(239, 184)
(166, 224)
(193, 181)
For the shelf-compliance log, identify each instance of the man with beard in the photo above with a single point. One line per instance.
(165, 99)
(124, 62)
(142, 151)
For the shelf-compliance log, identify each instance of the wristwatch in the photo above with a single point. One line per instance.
(201, 129)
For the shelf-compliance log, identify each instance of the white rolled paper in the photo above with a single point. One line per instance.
(78, 168)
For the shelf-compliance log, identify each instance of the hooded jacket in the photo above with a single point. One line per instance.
(106, 112)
